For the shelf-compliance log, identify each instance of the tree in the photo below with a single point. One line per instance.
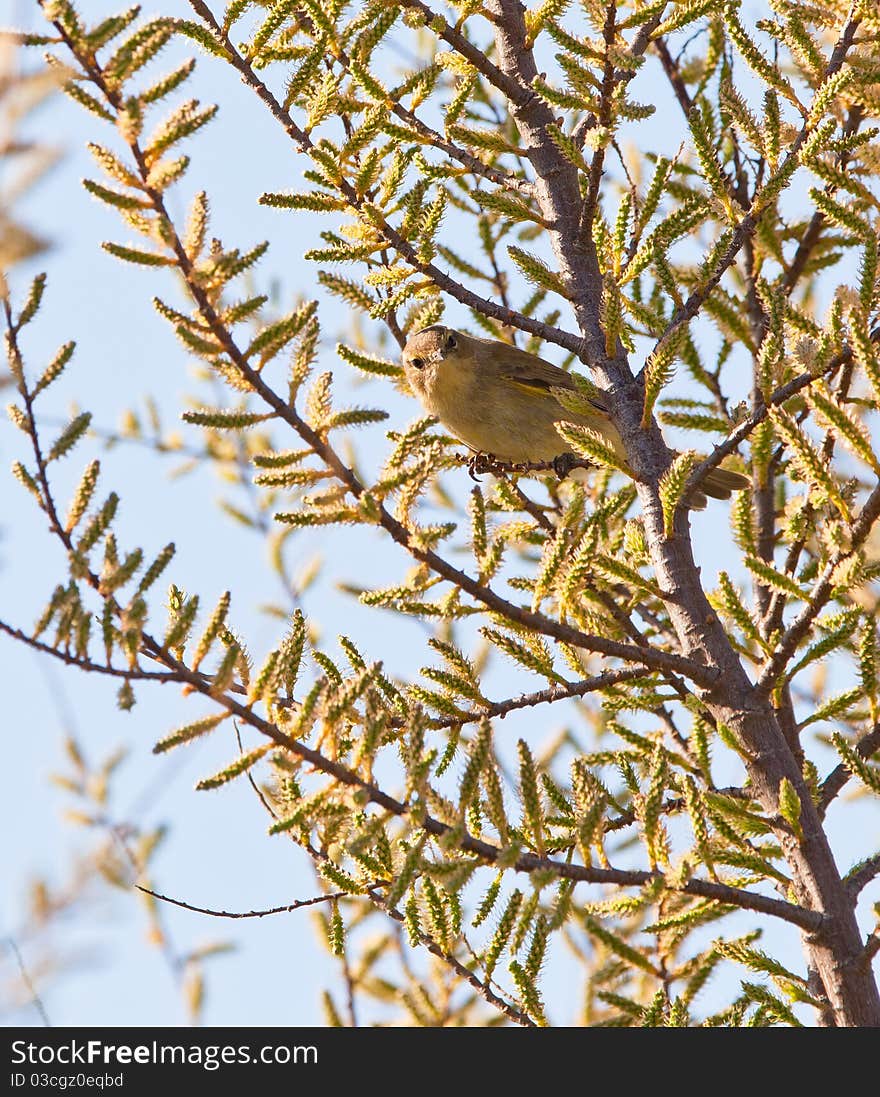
(614, 260)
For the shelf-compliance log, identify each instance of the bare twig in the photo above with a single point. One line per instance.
(298, 904)
(37, 1001)
(483, 989)
(670, 67)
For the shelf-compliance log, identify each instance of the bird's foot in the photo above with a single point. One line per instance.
(563, 464)
(480, 463)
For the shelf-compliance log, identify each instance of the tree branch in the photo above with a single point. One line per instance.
(526, 863)
(778, 397)
(543, 696)
(811, 237)
(511, 88)
(486, 992)
(298, 904)
(866, 748)
(129, 674)
(749, 224)
(556, 181)
(28, 982)
(673, 75)
(535, 621)
(862, 875)
(443, 281)
(606, 93)
(819, 596)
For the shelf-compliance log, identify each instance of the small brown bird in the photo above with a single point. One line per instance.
(498, 400)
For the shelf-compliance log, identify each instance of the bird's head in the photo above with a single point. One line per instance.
(425, 352)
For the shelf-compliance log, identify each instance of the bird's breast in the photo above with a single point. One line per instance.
(451, 387)
(491, 415)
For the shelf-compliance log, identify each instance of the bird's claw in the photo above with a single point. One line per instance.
(563, 464)
(480, 463)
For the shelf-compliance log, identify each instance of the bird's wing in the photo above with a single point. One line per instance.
(534, 374)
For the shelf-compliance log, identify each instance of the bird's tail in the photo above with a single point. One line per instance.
(720, 484)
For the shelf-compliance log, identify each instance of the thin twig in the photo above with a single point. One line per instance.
(820, 594)
(467, 159)
(538, 622)
(749, 224)
(674, 76)
(811, 237)
(37, 1001)
(465, 973)
(866, 748)
(441, 279)
(606, 94)
(133, 674)
(296, 905)
(778, 397)
(548, 696)
(859, 877)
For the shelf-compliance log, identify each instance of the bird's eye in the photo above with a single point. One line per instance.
(417, 362)
(451, 342)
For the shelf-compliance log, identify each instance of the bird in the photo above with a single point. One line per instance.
(498, 400)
